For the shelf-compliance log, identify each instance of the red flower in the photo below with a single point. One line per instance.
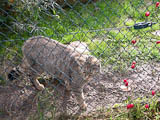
(153, 93)
(130, 106)
(125, 80)
(126, 83)
(146, 106)
(133, 66)
(147, 14)
(157, 4)
(158, 42)
(133, 63)
(133, 41)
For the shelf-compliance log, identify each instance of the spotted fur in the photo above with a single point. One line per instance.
(42, 54)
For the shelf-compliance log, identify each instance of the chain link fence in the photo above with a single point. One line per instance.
(90, 47)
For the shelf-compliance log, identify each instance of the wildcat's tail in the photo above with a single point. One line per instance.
(14, 73)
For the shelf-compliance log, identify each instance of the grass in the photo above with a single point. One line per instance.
(113, 47)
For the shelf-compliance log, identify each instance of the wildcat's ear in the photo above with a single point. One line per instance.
(92, 59)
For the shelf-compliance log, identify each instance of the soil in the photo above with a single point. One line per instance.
(104, 91)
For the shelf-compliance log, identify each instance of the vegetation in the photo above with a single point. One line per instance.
(146, 108)
(67, 25)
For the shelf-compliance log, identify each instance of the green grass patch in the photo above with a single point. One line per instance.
(86, 22)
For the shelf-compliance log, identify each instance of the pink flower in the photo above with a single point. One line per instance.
(153, 93)
(157, 4)
(133, 41)
(126, 83)
(129, 106)
(146, 106)
(147, 14)
(133, 66)
(158, 42)
(133, 63)
(125, 80)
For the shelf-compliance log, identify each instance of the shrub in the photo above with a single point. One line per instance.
(6, 11)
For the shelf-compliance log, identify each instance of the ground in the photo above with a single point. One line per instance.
(105, 91)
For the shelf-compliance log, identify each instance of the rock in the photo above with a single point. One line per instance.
(49, 114)
(157, 33)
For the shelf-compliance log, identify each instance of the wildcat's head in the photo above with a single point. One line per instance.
(90, 66)
(93, 65)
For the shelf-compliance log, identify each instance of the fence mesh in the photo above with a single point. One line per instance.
(121, 35)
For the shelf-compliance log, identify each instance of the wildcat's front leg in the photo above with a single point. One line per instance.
(38, 85)
(78, 92)
(34, 73)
